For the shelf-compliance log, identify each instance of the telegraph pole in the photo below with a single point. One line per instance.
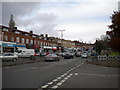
(61, 36)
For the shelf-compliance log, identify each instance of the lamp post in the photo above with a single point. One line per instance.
(61, 36)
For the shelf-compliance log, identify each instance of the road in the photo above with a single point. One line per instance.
(66, 73)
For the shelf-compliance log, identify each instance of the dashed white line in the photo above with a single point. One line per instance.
(59, 77)
(50, 83)
(58, 84)
(65, 78)
(45, 86)
(34, 67)
(6, 67)
(54, 87)
(62, 81)
(71, 74)
(55, 80)
(76, 73)
(68, 76)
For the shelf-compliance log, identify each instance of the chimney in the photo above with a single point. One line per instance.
(46, 35)
(15, 27)
(31, 32)
(42, 35)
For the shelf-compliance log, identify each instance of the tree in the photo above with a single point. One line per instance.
(98, 46)
(114, 34)
(11, 22)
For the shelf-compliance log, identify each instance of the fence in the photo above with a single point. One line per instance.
(101, 57)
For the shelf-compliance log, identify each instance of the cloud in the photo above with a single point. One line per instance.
(28, 17)
(82, 19)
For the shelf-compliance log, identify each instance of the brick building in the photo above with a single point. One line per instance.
(14, 38)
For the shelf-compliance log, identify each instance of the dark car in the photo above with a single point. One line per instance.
(52, 57)
(68, 56)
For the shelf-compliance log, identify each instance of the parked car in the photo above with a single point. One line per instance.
(52, 57)
(78, 54)
(84, 55)
(9, 57)
(68, 56)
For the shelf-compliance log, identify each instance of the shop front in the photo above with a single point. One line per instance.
(8, 47)
(37, 48)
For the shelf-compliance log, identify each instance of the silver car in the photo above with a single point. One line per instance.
(9, 57)
(52, 57)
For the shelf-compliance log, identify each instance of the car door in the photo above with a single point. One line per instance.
(10, 56)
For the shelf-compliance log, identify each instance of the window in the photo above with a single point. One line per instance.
(31, 41)
(26, 34)
(12, 38)
(17, 39)
(41, 43)
(5, 38)
(5, 29)
(40, 37)
(44, 43)
(35, 42)
(17, 32)
(23, 40)
(27, 41)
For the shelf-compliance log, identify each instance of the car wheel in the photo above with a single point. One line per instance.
(14, 59)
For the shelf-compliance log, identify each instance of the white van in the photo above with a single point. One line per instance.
(24, 52)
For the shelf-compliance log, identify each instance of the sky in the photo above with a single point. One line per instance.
(83, 20)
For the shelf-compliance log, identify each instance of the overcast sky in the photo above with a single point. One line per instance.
(83, 20)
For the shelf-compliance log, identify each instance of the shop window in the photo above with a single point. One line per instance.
(12, 38)
(5, 38)
(17, 39)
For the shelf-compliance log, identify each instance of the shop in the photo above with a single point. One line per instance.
(8, 47)
(37, 48)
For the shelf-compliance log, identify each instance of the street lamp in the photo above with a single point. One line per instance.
(61, 36)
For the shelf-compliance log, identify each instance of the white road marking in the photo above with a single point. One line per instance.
(71, 74)
(34, 67)
(65, 74)
(76, 73)
(55, 80)
(50, 83)
(65, 78)
(45, 86)
(62, 81)
(58, 84)
(62, 75)
(6, 67)
(92, 74)
(59, 77)
(54, 87)
(68, 76)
